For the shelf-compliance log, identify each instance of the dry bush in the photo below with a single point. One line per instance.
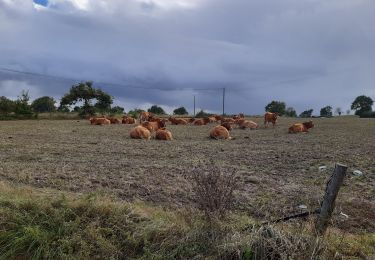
(214, 189)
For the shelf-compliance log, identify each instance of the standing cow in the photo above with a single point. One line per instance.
(270, 118)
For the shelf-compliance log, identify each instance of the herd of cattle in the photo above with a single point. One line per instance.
(149, 124)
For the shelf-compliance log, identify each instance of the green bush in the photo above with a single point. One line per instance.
(202, 114)
(368, 114)
(156, 110)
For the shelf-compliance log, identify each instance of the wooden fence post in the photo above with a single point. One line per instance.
(328, 204)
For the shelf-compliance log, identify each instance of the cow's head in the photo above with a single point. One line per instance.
(161, 123)
(274, 116)
(308, 124)
(227, 125)
(206, 120)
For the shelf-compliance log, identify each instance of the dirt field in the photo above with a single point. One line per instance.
(277, 171)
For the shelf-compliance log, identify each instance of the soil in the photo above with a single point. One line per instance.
(276, 171)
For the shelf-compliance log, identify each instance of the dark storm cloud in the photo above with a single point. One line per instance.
(306, 53)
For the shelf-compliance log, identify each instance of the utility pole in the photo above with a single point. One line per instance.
(223, 101)
(194, 105)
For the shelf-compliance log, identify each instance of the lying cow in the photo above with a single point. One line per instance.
(228, 120)
(163, 134)
(99, 121)
(140, 132)
(128, 120)
(114, 120)
(240, 115)
(201, 121)
(270, 118)
(177, 121)
(154, 126)
(145, 116)
(221, 131)
(243, 124)
(301, 127)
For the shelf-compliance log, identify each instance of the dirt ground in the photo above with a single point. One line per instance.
(277, 171)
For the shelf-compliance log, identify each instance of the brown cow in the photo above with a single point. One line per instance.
(144, 116)
(228, 120)
(240, 115)
(301, 127)
(153, 118)
(99, 121)
(114, 120)
(218, 118)
(163, 134)
(248, 124)
(177, 121)
(191, 120)
(220, 132)
(128, 120)
(228, 126)
(211, 119)
(154, 126)
(240, 121)
(270, 117)
(201, 121)
(140, 132)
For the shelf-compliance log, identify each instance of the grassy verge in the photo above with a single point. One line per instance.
(41, 224)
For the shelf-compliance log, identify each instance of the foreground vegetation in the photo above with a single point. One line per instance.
(72, 190)
(42, 223)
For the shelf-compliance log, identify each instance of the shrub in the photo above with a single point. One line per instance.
(276, 107)
(306, 113)
(180, 111)
(214, 190)
(368, 114)
(202, 114)
(156, 110)
(43, 104)
(326, 111)
(291, 112)
(362, 104)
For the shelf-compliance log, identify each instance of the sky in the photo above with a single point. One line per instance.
(309, 53)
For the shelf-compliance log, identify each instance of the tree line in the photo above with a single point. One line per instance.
(362, 106)
(86, 100)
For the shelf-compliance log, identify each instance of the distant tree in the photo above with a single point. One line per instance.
(156, 110)
(338, 111)
(326, 111)
(135, 112)
(306, 113)
(348, 112)
(202, 114)
(362, 104)
(22, 106)
(77, 109)
(7, 106)
(43, 104)
(65, 109)
(180, 111)
(291, 112)
(276, 107)
(86, 93)
(117, 110)
(104, 101)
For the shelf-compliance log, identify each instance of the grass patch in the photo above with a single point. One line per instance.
(47, 224)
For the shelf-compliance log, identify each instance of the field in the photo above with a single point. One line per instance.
(276, 171)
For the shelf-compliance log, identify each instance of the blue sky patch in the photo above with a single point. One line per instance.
(41, 2)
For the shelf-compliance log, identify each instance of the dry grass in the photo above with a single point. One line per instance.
(279, 170)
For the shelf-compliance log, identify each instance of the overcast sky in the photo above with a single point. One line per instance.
(307, 53)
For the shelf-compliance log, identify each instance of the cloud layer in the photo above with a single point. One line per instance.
(307, 53)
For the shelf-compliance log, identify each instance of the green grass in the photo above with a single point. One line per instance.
(47, 224)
